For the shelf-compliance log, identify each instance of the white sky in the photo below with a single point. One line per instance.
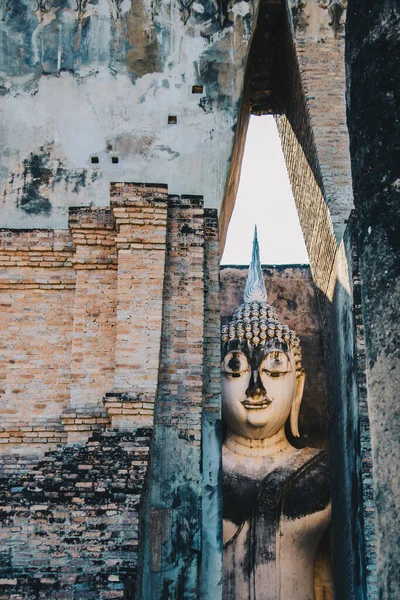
(264, 199)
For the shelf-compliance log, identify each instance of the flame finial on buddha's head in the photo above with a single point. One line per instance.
(255, 321)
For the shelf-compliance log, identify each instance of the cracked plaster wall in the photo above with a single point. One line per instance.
(99, 78)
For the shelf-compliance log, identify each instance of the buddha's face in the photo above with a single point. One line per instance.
(258, 385)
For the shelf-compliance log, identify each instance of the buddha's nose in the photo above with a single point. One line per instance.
(256, 389)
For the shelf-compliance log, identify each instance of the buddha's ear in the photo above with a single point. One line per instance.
(294, 413)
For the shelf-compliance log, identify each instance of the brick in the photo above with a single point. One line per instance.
(110, 294)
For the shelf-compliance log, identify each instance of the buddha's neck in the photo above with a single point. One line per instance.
(261, 448)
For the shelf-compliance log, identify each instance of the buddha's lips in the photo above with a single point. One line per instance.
(263, 403)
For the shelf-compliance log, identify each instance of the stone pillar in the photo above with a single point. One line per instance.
(349, 438)
(93, 343)
(211, 545)
(372, 62)
(140, 214)
(313, 131)
(172, 531)
(93, 339)
(318, 36)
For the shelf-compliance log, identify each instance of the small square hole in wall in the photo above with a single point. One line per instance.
(115, 160)
(197, 89)
(172, 119)
(94, 160)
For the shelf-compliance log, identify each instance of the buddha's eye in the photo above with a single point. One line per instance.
(235, 364)
(276, 364)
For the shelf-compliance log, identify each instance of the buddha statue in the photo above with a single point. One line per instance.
(276, 498)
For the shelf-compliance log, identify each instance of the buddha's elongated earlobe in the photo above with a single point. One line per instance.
(294, 413)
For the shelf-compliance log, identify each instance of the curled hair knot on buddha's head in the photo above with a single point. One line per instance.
(255, 321)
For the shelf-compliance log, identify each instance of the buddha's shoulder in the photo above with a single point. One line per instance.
(308, 490)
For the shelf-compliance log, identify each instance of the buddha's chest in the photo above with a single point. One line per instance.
(264, 564)
(294, 489)
(271, 530)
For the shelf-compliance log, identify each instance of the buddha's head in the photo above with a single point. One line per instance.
(262, 379)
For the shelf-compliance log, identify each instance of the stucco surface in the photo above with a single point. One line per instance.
(100, 78)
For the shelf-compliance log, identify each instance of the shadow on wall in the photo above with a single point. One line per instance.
(349, 430)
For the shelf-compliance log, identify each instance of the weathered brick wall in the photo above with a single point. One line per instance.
(301, 158)
(70, 527)
(37, 294)
(70, 524)
(319, 43)
(140, 214)
(76, 303)
(94, 331)
(143, 274)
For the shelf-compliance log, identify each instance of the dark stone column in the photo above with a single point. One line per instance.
(211, 433)
(171, 532)
(373, 104)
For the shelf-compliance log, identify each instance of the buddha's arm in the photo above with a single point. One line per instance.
(229, 530)
(323, 568)
(298, 542)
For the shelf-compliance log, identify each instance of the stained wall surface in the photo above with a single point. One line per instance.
(372, 57)
(105, 90)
